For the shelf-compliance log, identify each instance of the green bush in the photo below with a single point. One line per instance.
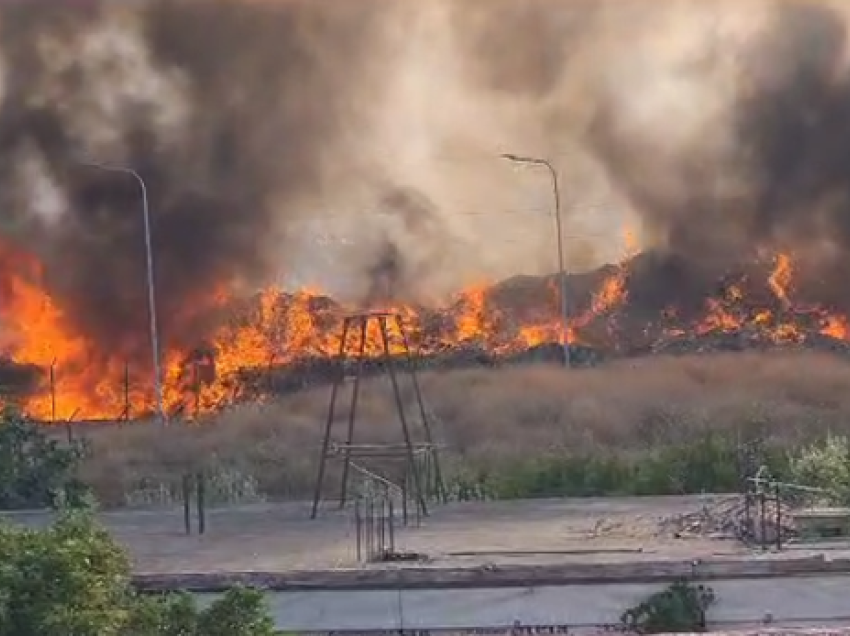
(680, 608)
(34, 469)
(825, 465)
(240, 612)
(709, 464)
(71, 579)
(67, 579)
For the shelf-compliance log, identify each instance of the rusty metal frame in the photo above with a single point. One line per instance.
(408, 450)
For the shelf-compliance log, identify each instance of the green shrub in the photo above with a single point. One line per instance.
(72, 579)
(825, 465)
(679, 608)
(33, 468)
(68, 579)
(240, 612)
(709, 464)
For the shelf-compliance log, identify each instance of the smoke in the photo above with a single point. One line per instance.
(721, 128)
(227, 110)
(411, 219)
(796, 124)
(754, 155)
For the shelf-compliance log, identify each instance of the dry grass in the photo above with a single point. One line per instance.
(487, 416)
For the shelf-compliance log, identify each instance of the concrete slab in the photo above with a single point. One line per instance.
(282, 537)
(563, 609)
(570, 565)
(529, 538)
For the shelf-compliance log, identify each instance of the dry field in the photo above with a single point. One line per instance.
(489, 416)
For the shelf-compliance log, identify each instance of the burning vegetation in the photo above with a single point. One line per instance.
(721, 129)
(278, 341)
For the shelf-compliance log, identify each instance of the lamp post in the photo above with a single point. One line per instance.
(562, 272)
(154, 332)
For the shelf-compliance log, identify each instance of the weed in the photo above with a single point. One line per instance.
(679, 608)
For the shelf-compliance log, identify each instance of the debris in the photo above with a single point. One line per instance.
(732, 518)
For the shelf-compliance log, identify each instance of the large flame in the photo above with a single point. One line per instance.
(81, 381)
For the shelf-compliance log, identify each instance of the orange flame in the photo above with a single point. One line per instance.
(283, 328)
(780, 279)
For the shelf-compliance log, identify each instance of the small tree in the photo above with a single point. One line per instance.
(72, 579)
(34, 469)
(240, 612)
(679, 608)
(825, 465)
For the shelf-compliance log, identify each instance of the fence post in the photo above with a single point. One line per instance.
(763, 518)
(187, 503)
(391, 514)
(202, 496)
(778, 494)
(370, 532)
(358, 529)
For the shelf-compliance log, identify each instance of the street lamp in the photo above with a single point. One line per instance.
(565, 326)
(160, 408)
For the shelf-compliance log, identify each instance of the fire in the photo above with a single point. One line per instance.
(780, 278)
(285, 328)
(474, 321)
(836, 327)
(781, 323)
(611, 295)
(40, 336)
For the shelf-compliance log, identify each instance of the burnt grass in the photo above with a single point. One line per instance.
(657, 424)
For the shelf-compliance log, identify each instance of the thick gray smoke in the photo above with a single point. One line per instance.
(226, 109)
(766, 162)
(722, 126)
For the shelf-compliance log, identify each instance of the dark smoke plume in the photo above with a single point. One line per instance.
(790, 122)
(797, 127)
(724, 125)
(226, 109)
(396, 273)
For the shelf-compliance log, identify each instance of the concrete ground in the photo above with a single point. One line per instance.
(282, 537)
(786, 602)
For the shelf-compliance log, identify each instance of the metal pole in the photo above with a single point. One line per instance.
(562, 270)
(53, 391)
(187, 502)
(339, 378)
(201, 487)
(126, 390)
(160, 408)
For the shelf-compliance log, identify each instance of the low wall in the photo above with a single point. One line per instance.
(493, 576)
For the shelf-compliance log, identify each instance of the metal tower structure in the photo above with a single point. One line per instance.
(422, 477)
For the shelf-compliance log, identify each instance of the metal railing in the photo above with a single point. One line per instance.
(762, 524)
(376, 504)
(766, 523)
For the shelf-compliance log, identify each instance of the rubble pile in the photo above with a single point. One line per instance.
(732, 518)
